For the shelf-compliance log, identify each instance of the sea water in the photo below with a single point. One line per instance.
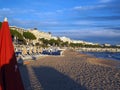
(105, 55)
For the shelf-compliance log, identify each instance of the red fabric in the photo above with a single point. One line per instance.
(0, 70)
(10, 78)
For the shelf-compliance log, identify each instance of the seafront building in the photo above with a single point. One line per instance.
(106, 44)
(118, 45)
(77, 41)
(53, 37)
(66, 39)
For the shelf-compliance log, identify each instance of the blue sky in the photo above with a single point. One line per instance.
(89, 20)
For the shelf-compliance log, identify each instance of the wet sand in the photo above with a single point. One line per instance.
(73, 71)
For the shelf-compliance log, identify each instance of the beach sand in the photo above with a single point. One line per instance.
(73, 71)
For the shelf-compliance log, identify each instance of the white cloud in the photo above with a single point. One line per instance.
(83, 22)
(32, 23)
(4, 9)
(59, 11)
(103, 33)
(105, 1)
(88, 7)
(53, 22)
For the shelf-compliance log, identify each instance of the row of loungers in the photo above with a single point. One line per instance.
(27, 57)
(34, 56)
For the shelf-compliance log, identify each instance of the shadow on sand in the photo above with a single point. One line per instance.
(10, 78)
(25, 77)
(51, 79)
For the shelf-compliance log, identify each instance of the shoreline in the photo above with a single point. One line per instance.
(98, 49)
(100, 61)
(73, 71)
(104, 55)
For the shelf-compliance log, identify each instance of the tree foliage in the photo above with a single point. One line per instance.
(53, 42)
(84, 45)
(65, 44)
(29, 35)
(45, 42)
(0, 24)
(19, 36)
(15, 33)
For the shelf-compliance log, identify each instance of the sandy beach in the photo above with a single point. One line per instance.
(73, 71)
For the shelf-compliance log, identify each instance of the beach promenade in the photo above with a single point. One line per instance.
(73, 71)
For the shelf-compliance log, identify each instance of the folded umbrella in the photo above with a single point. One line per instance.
(10, 78)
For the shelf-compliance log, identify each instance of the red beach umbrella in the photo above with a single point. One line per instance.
(10, 78)
(0, 69)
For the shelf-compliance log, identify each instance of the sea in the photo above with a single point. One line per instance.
(105, 55)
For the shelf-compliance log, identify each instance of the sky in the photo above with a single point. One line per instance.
(89, 20)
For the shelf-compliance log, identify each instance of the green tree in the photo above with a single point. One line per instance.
(0, 24)
(77, 45)
(53, 42)
(15, 33)
(65, 44)
(45, 42)
(18, 35)
(29, 35)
